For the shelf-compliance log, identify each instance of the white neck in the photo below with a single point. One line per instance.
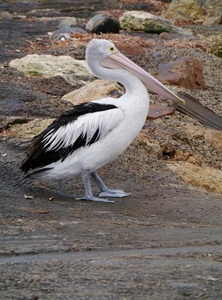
(124, 77)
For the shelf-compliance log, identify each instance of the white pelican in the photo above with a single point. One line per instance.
(84, 139)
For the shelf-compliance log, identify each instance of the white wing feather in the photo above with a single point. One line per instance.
(86, 125)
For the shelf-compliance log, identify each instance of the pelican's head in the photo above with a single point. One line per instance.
(99, 49)
(103, 53)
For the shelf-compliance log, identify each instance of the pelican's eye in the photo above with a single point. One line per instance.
(112, 49)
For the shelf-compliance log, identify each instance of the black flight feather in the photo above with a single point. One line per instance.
(38, 157)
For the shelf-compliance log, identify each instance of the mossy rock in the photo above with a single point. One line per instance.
(143, 21)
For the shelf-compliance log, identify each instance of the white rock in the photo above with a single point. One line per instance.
(72, 70)
(93, 91)
(214, 12)
(143, 21)
(30, 129)
(40, 12)
(185, 10)
(68, 21)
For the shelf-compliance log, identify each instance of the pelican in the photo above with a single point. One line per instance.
(92, 134)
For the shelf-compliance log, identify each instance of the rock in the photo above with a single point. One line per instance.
(143, 21)
(94, 91)
(210, 136)
(200, 176)
(103, 23)
(184, 10)
(159, 111)
(72, 70)
(165, 36)
(214, 12)
(31, 129)
(215, 42)
(201, 2)
(5, 14)
(131, 47)
(78, 29)
(67, 25)
(152, 148)
(186, 72)
(68, 22)
(46, 12)
(196, 164)
(9, 121)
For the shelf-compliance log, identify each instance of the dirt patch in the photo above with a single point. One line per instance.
(204, 177)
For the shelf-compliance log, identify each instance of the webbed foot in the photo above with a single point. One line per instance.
(92, 198)
(114, 194)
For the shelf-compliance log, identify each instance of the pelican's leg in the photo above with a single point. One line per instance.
(105, 192)
(88, 190)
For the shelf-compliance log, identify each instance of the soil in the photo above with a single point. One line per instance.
(162, 242)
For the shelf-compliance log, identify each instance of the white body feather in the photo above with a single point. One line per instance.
(118, 128)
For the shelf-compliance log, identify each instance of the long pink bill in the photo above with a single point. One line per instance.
(118, 60)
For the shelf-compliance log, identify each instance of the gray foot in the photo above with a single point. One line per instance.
(92, 198)
(105, 192)
(114, 194)
(88, 191)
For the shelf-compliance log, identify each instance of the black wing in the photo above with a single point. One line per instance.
(39, 157)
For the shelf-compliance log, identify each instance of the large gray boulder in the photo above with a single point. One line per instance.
(214, 12)
(94, 91)
(103, 23)
(46, 66)
(185, 9)
(143, 21)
